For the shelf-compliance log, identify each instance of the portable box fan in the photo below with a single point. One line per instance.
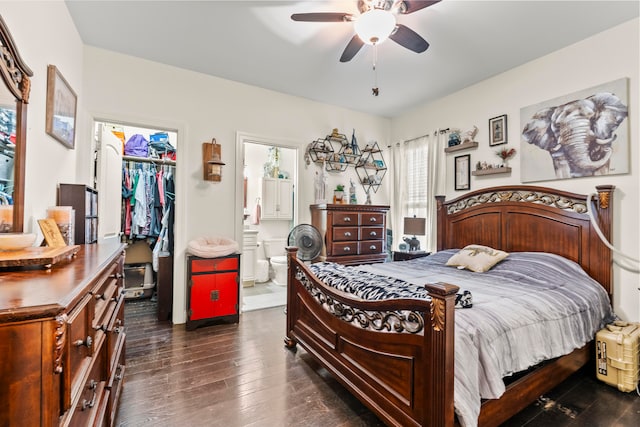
(307, 239)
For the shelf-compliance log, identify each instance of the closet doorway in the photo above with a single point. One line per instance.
(134, 173)
(269, 206)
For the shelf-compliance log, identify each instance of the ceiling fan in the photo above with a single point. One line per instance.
(376, 23)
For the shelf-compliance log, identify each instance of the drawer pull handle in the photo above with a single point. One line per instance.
(88, 342)
(373, 219)
(99, 296)
(347, 249)
(372, 247)
(116, 276)
(102, 328)
(347, 234)
(119, 375)
(93, 385)
(347, 219)
(373, 234)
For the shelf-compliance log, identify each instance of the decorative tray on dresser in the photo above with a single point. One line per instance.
(62, 340)
(353, 234)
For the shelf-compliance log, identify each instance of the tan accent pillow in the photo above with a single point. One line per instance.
(477, 258)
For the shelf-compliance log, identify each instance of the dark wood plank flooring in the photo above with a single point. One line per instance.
(242, 375)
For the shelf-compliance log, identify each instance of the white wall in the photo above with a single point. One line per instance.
(600, 59)
(45, 34)
(200, 107)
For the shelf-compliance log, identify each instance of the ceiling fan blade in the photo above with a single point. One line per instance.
(414, 5)
(408, 38)
(352, 48)
(322, 17)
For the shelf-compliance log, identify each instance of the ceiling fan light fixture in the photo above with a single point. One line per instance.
(375, 26)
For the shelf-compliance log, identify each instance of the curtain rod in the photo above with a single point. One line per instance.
(441, 131)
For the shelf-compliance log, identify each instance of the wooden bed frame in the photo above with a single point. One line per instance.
(397, 356)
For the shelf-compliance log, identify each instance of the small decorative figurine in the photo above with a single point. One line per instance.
(454, 138)
(354, 143)
(469, 136)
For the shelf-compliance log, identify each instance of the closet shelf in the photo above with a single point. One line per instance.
(150, 160)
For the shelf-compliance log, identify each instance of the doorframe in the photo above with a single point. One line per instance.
(241, 139)
(179, 306)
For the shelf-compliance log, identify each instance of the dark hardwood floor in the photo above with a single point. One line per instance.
(242, 375)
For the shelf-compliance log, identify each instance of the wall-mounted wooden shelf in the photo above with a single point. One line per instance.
(463, 146)
(492, 171)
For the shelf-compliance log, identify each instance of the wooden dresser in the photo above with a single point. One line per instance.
(353, 234)
(62, 341)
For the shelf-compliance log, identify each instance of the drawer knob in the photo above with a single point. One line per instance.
(347, 219)
(88, 342)
(373, 219)
(347, 234)
(372, 247)
(373, 234)
(347, 249)
(116, 276)
(118, 329)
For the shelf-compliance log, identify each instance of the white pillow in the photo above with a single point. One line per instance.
(477, 258)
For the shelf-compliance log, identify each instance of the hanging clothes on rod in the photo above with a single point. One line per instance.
(146, 191)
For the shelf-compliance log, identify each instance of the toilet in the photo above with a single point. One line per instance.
(274, 250)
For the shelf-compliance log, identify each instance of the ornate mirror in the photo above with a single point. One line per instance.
(14, 97)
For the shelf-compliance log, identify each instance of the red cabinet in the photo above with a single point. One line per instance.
(214, 291)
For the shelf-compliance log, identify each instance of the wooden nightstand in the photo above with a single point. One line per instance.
(407, 255)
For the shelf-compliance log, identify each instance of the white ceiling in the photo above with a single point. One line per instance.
(256, 42)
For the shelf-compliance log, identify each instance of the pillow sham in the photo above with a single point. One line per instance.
(477, 258)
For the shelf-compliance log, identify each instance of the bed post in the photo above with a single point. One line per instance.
(441, 213)
(292, 255)
(439, 342)
(601, 256)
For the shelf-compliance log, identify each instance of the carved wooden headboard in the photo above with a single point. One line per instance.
(529, 218)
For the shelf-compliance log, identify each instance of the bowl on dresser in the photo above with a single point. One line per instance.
(16, 241)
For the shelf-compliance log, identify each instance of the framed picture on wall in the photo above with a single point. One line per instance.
(61, 108)
(498, 130)
(462, 172)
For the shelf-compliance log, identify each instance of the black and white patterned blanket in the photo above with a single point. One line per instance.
(529, 308)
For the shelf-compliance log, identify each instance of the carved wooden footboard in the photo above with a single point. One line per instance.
(396, 356)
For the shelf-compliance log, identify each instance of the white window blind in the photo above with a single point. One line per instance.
(416, 179)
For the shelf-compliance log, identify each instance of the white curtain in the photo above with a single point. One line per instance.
(418, 176)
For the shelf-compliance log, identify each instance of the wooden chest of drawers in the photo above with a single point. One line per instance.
(62, 341)
(353, 234)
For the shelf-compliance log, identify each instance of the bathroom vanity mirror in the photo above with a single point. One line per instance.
(14, 97)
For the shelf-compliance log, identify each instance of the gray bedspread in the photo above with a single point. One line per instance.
(529, 308)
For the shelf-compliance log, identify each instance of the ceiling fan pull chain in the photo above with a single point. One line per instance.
(375, 89)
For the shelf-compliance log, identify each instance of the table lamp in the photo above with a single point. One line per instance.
(415, 226)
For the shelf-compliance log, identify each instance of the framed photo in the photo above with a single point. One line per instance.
(498, 130)
(61, 108)
(463, 172)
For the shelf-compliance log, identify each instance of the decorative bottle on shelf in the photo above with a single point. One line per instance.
(353, 200)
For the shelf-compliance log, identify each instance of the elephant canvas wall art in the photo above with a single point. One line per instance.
(577, 135)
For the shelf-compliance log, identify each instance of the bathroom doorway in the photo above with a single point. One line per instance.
(269, 211)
